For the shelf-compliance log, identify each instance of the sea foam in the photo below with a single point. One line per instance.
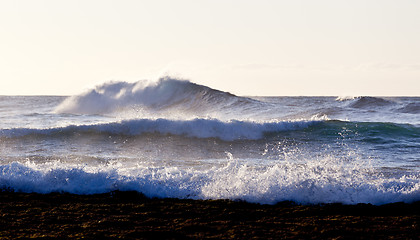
(321, 181)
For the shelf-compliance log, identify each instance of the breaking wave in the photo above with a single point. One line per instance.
(319, 181)
(166, 94)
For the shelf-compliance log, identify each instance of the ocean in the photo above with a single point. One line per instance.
(176, 139)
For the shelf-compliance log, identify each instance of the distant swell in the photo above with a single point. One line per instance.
(413, 108)
(200, 128)
(370, 102)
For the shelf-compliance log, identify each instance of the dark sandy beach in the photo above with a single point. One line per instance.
(129, 215)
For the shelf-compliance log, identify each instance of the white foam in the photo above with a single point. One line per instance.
(319, 181)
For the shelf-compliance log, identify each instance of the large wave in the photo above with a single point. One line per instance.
(148, 98)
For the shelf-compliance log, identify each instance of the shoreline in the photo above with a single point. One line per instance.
(131, 215)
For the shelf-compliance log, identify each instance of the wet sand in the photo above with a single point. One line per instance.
(130, 215)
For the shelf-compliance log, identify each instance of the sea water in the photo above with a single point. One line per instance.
(176, 139)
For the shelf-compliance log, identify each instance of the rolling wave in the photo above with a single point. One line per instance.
(199, 128)
(227, 130)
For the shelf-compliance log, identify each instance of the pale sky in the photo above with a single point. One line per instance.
(261, 47)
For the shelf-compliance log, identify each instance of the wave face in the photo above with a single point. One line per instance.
(173, 138)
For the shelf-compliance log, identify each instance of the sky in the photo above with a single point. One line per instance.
(264, 47)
